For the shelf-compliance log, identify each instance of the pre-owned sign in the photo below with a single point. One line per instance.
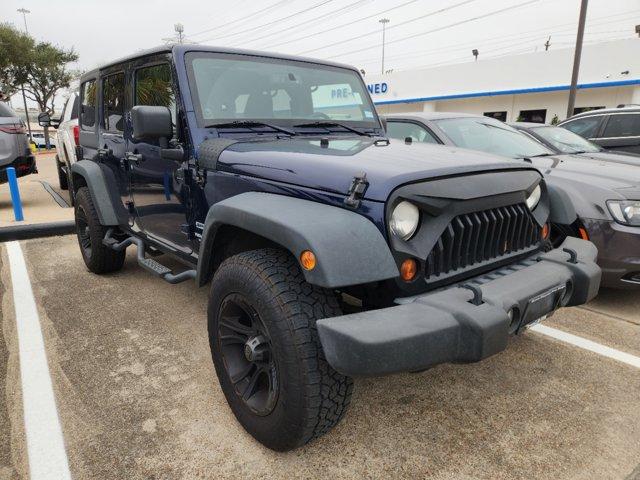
(378, 88)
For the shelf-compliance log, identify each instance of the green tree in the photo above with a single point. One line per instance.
(46, 74)
(13, 59)
(38, 67)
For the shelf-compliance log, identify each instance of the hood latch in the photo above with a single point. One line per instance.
(356, 191)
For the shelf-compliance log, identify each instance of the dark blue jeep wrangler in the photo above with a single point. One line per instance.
(331, 251)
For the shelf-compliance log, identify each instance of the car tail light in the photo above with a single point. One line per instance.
(76, 134)
(14, 128)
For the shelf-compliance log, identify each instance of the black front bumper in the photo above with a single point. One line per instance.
(448, 326)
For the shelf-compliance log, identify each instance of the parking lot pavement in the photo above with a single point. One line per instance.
(38, 204)
(138, 397)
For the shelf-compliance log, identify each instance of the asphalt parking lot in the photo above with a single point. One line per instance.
(137, 395)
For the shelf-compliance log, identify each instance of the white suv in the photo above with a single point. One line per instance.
(67, 139)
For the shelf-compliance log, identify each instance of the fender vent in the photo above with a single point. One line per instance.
(475, 238)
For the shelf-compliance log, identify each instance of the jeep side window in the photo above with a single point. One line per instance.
(623, 125)
(113, 102)
(585, 127)
(88, 110)
(403, 130)
(153, 86)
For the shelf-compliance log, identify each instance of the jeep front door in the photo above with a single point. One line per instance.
(159, 193)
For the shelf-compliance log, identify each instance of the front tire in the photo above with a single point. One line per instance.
(262, 333)
(97, 257)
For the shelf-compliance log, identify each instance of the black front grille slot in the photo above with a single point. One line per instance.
(473, 238)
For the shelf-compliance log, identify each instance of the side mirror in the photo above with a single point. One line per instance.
(151, 122)
(384, 124)
(44, 120)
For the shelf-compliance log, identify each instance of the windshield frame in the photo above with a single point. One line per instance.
(374, 124)
(537, 130)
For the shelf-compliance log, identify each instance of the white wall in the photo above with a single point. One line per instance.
(617, 61)
(554, 102)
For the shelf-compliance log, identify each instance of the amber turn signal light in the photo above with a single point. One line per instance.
(583, 233)
(308, 260)
(545, 231)
(408, 269)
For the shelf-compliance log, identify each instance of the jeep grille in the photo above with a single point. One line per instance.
(473, 238)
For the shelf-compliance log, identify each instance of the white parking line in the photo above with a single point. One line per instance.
(45, 444)
(588, 345)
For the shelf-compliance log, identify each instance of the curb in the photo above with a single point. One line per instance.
(37, 230)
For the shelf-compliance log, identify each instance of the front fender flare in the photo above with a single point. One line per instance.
(350, 249)
(103, 188)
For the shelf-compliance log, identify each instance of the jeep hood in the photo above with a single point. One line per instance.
(304, 162)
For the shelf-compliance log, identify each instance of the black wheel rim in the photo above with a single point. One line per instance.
(82, 227)
(247, 354)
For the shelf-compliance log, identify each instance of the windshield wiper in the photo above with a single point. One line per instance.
(250, 123)
(326, 126)
(541, 155)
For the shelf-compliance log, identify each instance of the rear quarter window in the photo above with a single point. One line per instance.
(88, 104)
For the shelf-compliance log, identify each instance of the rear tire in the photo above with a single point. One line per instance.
(63, 180)
(262, 333)
(97, 257)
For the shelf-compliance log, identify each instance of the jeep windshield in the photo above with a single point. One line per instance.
(232, 91)
(491, 136)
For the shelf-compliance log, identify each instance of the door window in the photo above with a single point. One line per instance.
(113, 102)
(578, 110)
(403, 130)
(153, 86)
(533, 116)
(502, 116)
(623, 125)
(89, 103)
(585, 127)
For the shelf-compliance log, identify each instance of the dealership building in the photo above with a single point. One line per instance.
(526, 87)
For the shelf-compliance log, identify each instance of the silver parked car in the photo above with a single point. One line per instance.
(14, 145)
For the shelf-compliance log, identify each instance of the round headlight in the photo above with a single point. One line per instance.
(534, 198)
(404, 220)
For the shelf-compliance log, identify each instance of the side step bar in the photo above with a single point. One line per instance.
(148, 264)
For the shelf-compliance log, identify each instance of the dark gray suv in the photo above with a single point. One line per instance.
(611, 128)
(605, 195)
(14, 147)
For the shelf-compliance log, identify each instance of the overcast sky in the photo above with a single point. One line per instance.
(419, 33)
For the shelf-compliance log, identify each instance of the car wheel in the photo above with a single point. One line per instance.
(63, 180)
(97, 257)
(262, 333)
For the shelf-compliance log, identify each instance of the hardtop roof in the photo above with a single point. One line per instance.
(184, 48)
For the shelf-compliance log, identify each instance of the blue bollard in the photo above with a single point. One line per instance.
(15, 194)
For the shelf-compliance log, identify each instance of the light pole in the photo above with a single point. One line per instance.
(179, 28)
(384, 22)
(576, 58)
(24, 12)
